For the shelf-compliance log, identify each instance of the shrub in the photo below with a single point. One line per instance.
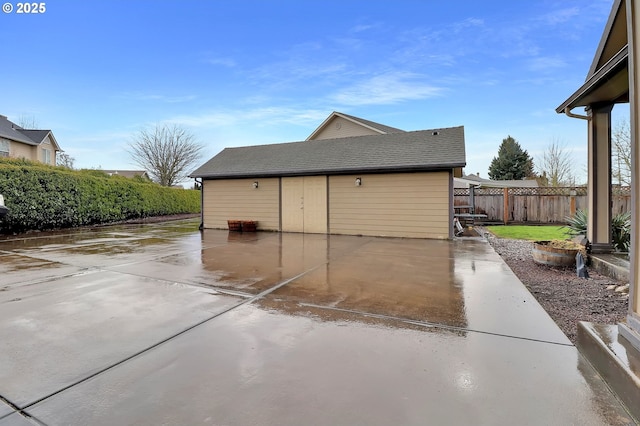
(621, 231)
(44, 197)
(577, 224)
(620, 228)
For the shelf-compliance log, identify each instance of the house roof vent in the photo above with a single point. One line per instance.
(435, 133)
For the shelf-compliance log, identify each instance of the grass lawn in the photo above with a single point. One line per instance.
(529, 232)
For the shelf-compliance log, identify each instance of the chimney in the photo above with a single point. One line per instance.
(478, 174)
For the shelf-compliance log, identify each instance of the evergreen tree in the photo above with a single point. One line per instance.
(512, 162)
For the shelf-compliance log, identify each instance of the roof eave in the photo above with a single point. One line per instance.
(345, 171)
(605, 38)
(55, 142)
(605, 74)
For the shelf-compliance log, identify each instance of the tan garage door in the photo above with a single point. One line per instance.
(304, 204)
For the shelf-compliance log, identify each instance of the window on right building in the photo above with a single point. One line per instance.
(4, 148)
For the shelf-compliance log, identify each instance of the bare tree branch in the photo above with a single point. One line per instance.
(621, 153)
(65, 160)
(556, 167)
(27, 122)
(167, 153)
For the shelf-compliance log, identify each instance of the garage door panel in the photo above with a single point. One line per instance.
(304, 204)
(315, 204)
(293, 204)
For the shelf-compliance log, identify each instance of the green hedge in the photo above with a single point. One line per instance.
(42, 197)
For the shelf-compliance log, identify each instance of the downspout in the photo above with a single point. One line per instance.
(201, 227)
(568, 112)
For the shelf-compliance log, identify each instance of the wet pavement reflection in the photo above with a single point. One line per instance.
(163, 324)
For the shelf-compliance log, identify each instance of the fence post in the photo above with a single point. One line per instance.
(505, 212)
(572, 202)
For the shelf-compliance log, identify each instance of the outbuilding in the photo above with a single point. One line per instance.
(386, 182)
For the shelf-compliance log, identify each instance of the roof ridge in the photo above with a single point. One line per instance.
(370, 123)
(346, 137)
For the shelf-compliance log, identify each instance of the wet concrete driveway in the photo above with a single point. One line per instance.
(162, 324)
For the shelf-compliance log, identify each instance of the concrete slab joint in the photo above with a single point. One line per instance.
(163, 324)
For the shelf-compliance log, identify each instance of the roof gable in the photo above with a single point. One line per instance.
(613, 39)
(368, 127)
(436, 149)
(608, 77)
(12, 131)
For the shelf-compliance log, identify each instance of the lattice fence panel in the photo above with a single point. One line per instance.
(535, 205)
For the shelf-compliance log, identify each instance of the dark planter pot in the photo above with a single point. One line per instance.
(545, 254)
(249, 226)
(235, 225)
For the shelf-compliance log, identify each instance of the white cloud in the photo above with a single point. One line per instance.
(106, 139)
(140, 96)
(546, 63)
(387, 88)
(363, 27)
(226, 62)
(211, 119)
(560, 16)
(213, 58)
(467, 23)
(251, 117)
(289, 73)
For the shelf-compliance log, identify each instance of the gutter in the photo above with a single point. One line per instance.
(568, 112)
(201, 227)
(334, 172)
(605, 73)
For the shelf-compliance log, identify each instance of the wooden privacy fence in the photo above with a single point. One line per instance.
(533, 205)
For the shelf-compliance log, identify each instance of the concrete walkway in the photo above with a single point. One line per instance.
(162, 324)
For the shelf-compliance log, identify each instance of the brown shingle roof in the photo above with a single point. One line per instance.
(422, 150)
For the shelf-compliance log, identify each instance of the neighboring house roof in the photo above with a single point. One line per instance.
(372, 125)
(424, 150)
(467, 180)
(12, 131)
(127, 173)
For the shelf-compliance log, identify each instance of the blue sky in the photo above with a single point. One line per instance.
(255, 72)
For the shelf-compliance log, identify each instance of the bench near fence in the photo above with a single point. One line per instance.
(545, 205)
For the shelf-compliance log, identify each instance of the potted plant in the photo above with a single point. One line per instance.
(557, 252)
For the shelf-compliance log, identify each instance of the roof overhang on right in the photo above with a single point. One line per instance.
(608, 78)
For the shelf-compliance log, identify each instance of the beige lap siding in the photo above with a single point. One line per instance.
(412, 205)
(237, 199)
(341, 128)
(21, 150)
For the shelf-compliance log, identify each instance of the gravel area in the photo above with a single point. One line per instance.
(566, 297)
